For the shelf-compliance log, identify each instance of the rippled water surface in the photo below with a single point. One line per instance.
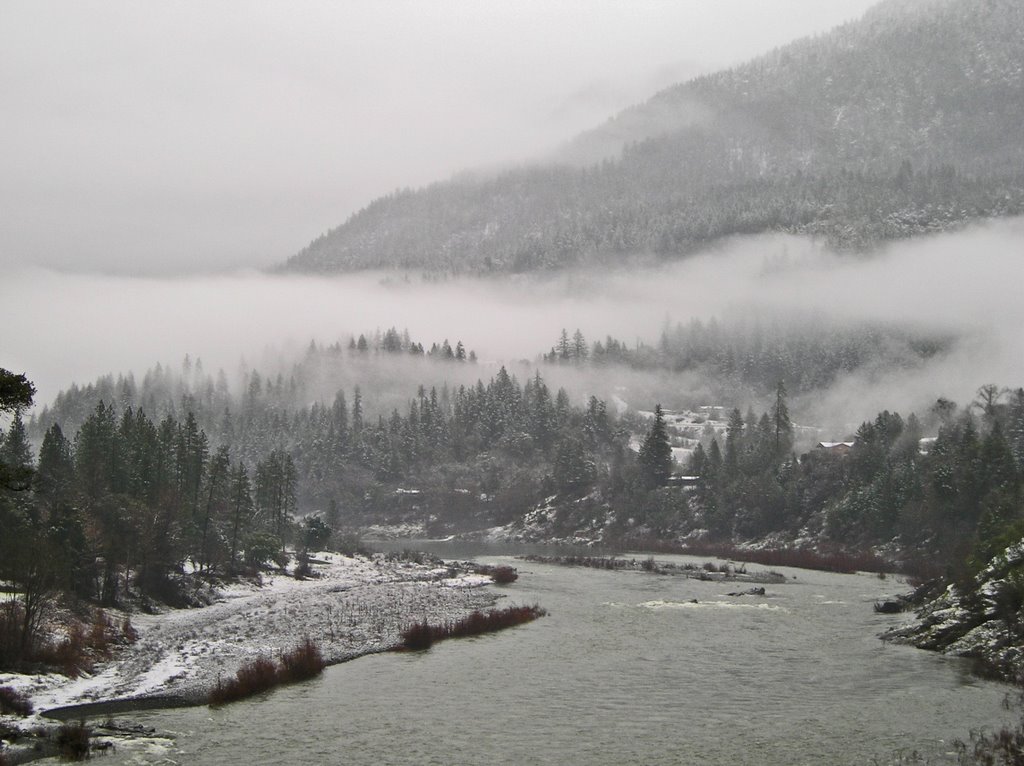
(624, 670)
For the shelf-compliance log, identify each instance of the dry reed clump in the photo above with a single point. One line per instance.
(305, 661)
(13, 701)
(502, 574)
(422, 635)
(259, 675)
(73, 741)
(85, 644)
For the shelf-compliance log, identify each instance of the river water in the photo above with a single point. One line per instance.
(624, 670)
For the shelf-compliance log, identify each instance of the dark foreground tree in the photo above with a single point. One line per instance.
(16, 392)
(656, 454)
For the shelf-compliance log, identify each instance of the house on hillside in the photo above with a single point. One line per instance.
(840, 449)
(675, 480)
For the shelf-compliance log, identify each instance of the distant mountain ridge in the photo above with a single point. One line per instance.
(904, 122)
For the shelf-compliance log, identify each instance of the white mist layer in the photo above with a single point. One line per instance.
(62, 328)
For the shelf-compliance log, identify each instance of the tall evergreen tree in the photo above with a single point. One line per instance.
(655, 456)
(780, 421)
(56, 471)
(241, 512)
(16, 393)
(733, 443)
(16, 454)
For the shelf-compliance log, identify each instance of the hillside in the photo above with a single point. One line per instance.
(904, 122)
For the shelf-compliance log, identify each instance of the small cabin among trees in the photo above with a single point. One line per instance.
(839, 449)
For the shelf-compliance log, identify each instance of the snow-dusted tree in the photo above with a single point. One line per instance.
(780, 421)
(573, 470)
(656, 453)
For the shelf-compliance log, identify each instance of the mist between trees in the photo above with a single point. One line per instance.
(212, 468)
(955, 287)
(219, 480)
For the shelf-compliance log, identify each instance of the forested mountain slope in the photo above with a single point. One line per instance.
(904, 122)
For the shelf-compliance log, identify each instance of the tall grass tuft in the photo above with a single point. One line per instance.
(258, 675)
(85, 644)
(13, 701)
(73, 741)
(304, 661)
(422, 635)
(418, 636)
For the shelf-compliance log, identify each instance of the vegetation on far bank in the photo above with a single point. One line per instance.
(709, 570)
(842, 562)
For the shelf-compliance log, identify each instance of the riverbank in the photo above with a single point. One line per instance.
(979, 619)
(353, 606)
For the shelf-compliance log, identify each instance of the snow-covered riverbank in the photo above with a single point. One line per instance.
(355, 606)
(978, 618)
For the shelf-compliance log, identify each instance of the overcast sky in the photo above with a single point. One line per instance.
(149, 138)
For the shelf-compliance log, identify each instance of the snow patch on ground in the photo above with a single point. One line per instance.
(354, 606)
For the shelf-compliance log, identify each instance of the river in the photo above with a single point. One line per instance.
(624, 670)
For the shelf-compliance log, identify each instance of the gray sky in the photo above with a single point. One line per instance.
(150, 138)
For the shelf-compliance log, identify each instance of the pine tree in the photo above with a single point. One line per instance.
(572, 470)
(733, 440)
(656, 453)
(56, 471)
(357, 413)
(16, 455)
(216, 501)
(242, 509)
(564, 347)
(97, 452)
(1015, 427)
(781, 422)
(579, 347)
(698, 461)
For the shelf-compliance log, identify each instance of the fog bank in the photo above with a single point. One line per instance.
(61, 327)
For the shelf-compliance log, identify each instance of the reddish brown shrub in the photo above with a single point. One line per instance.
(418, 636)
(128, 632)
(73, 741)
(261, 674)
(421, 635)
(99, 633)
(13, 701)
(253, 677)
(68, 655)
(304, 661)
(503, 575)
